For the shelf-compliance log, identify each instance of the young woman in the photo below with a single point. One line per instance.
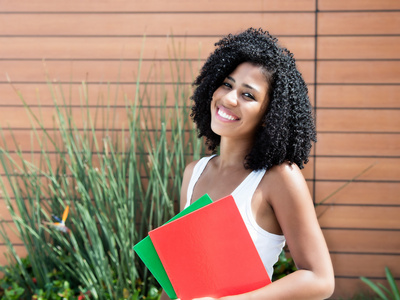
(251, 102)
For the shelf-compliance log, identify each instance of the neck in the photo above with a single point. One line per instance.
(233, 153)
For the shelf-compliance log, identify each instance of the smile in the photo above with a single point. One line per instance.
(225, 115)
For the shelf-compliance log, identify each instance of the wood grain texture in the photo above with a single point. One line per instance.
(358, 193)
(364, 218)
(361, 168)
(359, 23)
(358, 120)
(359, 96)
(359, 241)
(166, 24)
(364, 265)
(154, 5)
(358, 5)
(358, 144)
(124, 72)
(358, 72)
(124, 48)
(359, 47)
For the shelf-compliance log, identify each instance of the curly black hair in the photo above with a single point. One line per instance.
(288, 129)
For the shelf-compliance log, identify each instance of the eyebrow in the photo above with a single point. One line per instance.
(245, 84)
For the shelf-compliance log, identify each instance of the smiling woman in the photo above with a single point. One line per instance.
(251, 102)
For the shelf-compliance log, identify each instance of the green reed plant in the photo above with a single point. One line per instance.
(382, 291)
(118, 182)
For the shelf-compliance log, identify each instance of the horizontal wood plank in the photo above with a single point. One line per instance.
(125, 48)
(95, 95)
(357, 96)
(384, 218)
(359, 23)
(153, 5)
(357, 193)
(93, 24)
(358, 5)
(358, 144)
(358, 48)
(365, 265)
(114, 71)
(121, 48)
(358, 168)
(348, 72)
(359, 241)
(358, 120)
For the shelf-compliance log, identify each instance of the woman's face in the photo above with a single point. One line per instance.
(239, 104)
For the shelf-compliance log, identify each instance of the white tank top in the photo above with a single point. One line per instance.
(268, 245)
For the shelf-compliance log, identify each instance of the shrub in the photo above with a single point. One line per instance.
(118, 182)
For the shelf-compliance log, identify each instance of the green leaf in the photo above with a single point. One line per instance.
(392, 284)
(375, 288)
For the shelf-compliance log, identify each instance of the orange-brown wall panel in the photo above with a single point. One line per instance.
(120, 48)
(359, 23)
(360, 168)
(360, 240)
(361, 217)
(357, 192)
(364, 265)
(113, 47)
(359, 72)
(17, 117)
(99, 71)
(359, 96)
(76, 94)
(359, 47)
(364, 144)
(113, 71)
(154, 24)
(358, 5)
(153, 5)
(358, 120)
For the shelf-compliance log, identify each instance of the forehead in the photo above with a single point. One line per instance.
(250, 73)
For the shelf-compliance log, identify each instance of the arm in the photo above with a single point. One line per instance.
(287, 193)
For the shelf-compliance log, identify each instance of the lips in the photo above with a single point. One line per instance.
(225, 114)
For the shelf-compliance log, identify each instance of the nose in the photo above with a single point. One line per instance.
(230, 99)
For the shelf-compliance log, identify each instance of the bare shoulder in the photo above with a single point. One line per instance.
(187, 174)
(286, 181)
(189, 167)
(285, 173)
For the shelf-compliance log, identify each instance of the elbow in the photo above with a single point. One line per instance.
(327, 286)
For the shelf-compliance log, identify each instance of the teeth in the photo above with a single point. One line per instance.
(225, 115)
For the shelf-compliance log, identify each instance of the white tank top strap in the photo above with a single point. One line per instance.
(197, 171)
(249, 185)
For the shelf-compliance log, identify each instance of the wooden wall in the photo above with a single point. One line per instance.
(348, 52)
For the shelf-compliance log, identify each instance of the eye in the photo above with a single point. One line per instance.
(227, 84)
(249, 95)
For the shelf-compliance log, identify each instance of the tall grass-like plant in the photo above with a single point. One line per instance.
(381, 291)
(118, 182)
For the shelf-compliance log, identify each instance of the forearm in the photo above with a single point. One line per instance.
(301, 284)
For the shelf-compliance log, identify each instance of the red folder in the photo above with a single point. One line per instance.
(209, 252)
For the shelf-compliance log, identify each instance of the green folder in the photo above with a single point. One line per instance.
(148, 254)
